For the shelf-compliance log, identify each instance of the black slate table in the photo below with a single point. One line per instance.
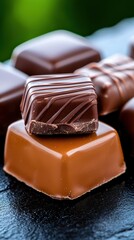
(105, 213)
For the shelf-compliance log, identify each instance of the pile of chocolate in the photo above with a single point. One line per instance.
(61, 147)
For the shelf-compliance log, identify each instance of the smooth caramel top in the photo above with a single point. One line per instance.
(67, 144)
(63, 167)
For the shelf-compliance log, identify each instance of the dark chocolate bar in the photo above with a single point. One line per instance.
(127, 126)
(63, 167)
(59, 104)
(131, 47)
(113, 79)
(12, 84)
(56, 52)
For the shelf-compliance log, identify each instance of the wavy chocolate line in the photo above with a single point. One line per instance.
(112, 73)
(75, 88)
(44, 83)
(53, 96)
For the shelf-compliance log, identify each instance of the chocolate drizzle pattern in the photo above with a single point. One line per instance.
(72, 95)
(114, 72)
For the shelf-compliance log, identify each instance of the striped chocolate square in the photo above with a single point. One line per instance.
(59, 104)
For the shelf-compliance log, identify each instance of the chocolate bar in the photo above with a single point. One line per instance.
(55, 52)
(127, 126)
(131, 47)
(12, 84)
(113, 79)
(59, 104)
(63, 167)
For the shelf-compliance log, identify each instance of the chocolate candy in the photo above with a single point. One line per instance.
(127, 125)
(56, 52)
(59, 104)
(131, 47)
(64, 167)
(11, 88)
(113, 79)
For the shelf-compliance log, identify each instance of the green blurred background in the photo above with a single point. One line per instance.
(21, 20)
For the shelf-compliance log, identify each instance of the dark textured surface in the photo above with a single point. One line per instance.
(105, 213)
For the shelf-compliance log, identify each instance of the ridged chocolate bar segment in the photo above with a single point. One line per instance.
(113, 79)
(59, 104)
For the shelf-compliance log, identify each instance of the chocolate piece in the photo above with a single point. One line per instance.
(11, 88)
(113, 79)
(55, 52)
(131, 47)
(59, 104)
(64, 167)
(127, 126)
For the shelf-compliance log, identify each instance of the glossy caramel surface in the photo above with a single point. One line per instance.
(63, 167)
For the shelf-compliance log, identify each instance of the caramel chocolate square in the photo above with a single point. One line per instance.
(12, 84)
(59, 104)
(113, 79)
(55, 52)
(63, 167)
